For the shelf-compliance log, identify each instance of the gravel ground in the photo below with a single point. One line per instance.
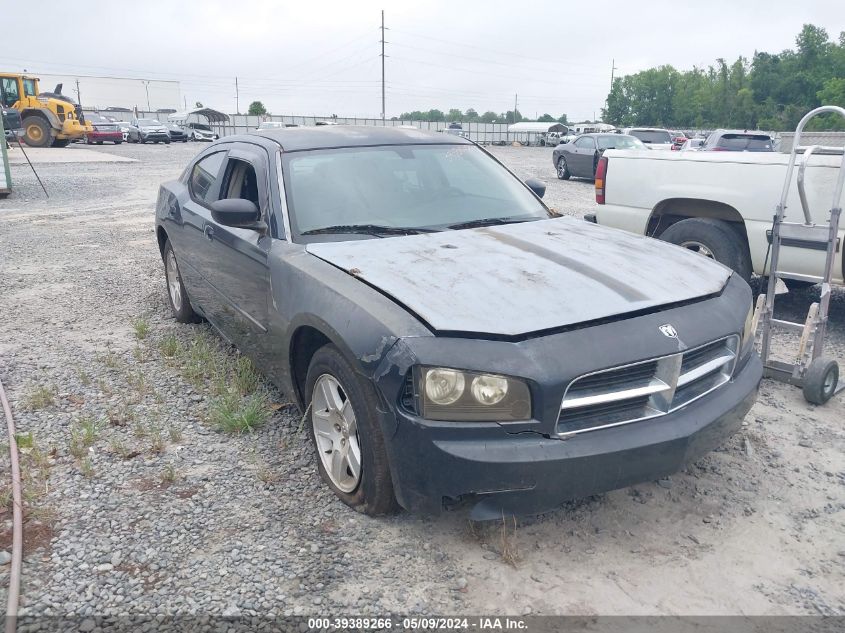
(135, 504)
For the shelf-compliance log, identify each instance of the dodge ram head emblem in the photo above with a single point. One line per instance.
(669, 330)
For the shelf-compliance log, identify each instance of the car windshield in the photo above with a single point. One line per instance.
(652, 136)
(745, 142)
(148, 122)
(403, 186)
(620, 141)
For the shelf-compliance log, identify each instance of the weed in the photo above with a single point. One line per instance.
(246, 378)
(140, 353)
(169, 346)
(141, 327)
(138, 382)
(40, 397)
(87, 467)
(83, 377)
(199, 360)
(175, 433)
(90, 429)
(121, 416)
(104, 387)
(5, 496)
(510, 551)
(266, 474)
(168, 475)
(25, 441)
(233, 414)
(110, 359)
(157, 444)
(139, 430)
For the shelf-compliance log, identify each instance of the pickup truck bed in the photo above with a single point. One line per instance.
(651, 192)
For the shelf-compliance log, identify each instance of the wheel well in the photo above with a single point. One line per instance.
(161, 236)
(674, 210)
(303, 345)
(39, 113)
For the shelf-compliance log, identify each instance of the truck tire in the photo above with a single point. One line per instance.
(714, 239)
(37, 132)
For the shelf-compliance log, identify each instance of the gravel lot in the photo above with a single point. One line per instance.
(135, 504)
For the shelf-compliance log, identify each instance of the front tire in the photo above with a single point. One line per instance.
(177, 296)
(714, 239)
(349, 445)
(562, 169)
(37, 132)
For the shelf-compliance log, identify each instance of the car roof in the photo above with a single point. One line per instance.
(329, 136)
(721, 131)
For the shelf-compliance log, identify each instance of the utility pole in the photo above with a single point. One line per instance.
(78, 96)
(147, 88)
(383, 110)
(237, 98)
(612, 70)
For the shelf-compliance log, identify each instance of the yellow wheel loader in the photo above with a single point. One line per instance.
(50, 119)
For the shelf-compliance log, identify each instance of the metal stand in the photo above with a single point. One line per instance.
(817, 375)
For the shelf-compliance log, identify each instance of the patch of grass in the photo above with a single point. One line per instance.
(245, 377)
(168, 475)
(232, 413)
(266, 474)
(141, 327)
(40, 397)
(157, 444)
(510, 551)
(139, 430)
(90, 429)
(25, 441)
(121, 416)
(104, 387)
(140, 354)
(175, 433)
(87, 467)
(110, 359)
(83, 377)
(200, 360)
(169, 346)
(138, 382)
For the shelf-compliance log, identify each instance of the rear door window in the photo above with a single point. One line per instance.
(652, 136)
(585, 142)
(204, 178)
(746, 142)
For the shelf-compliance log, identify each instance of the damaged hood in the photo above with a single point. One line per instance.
(516, 279)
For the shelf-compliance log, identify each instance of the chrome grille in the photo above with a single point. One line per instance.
(646, 389)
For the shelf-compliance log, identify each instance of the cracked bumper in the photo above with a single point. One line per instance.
(528, 473)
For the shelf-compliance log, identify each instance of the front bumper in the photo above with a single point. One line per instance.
(529, 473)
(155, 136)
(105, 136)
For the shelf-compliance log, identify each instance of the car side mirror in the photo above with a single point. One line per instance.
(537, 186)
(238, 213)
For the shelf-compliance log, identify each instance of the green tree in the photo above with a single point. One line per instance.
(563, 120)
(256, 108)
(470, 115)
(546, 118)
(489, 117)
(455, 115)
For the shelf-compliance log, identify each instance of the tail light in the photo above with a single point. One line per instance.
(601, 179)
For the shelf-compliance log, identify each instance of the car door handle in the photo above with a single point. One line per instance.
(209, 232)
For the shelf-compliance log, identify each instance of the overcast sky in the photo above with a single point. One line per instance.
(321, 57)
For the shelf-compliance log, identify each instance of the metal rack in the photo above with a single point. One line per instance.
(816, 374)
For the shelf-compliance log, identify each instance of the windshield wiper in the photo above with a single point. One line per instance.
(369, 229)
(487, 222)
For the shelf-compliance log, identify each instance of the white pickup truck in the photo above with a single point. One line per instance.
(720, 204)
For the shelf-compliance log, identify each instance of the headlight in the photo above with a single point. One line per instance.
(454, 395)
(748, 329)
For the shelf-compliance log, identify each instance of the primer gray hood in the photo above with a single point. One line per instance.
(520, 278)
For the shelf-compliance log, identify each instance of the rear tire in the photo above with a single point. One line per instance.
(37, 132)
(714, 239)
(372, 493)
(820, 380)
(177, 295)
(562, 169)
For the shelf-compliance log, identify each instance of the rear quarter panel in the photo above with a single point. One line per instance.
(639, 182)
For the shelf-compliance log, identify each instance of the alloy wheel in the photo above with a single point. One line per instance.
(174, 280)
(336, 433)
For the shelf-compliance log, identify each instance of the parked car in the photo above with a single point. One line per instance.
(200, 132)
(148, 130)
(104, 130)
(447, 337)
(678, 139)
(177, 133)
(551, 139)
(276, 125)
(738, 141)
(719, 205)
(692, 144)
(123, 125)
(580, 157)
(653, 137)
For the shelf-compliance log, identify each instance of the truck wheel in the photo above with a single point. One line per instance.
(562, 169)
(345, 430)
(820, 380)
(36, 132)
(714, 239)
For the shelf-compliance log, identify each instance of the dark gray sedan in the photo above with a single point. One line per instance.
(449, 339)
(580, 157)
